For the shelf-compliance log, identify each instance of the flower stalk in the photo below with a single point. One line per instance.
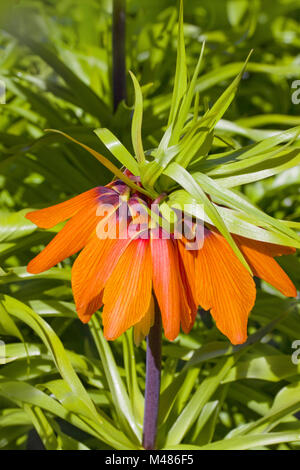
(153, 374)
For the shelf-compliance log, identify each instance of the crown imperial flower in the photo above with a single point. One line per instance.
(126, 270)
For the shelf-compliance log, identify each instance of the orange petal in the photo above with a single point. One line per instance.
(71, 238)
(127, 293)
(142, 328)
(260, 255)
(166, 285)
(90, 272)
(187, 273)
(270, 249)
(51, 216)
(224, 286)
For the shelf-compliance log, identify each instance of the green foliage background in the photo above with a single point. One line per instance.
(62, 378)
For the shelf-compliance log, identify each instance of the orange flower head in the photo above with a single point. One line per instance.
(126, 263)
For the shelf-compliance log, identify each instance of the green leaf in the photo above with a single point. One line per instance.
(107, 163)
(21, 392)
(291, 159)
(208, 411)
(118, 150)
(171, 392)
(286, 403)
(245, 442)
(236, 201)
(211, 118)
(271, 368)
(13, 417)
(8, 326)
(119, 395)
(180, 83)
(25, 314)
(43, 427)
(202, 395)
(85, 96)
(230, 70)
(258, 154)
(135, 395)
(136, 127)
(186, 102)
(236, 222)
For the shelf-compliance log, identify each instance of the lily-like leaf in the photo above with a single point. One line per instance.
(180, 83)
(235, 221)
(107, 163)
(186, 103)
(118, 150)
(211, 118)
(136, 128)
(238, 202)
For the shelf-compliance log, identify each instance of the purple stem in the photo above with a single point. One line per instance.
(153, 369)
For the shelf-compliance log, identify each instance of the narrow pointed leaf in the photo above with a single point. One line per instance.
(136, 127)
(118, 150)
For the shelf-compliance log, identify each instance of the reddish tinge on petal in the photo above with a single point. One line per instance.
(127, 294)
(187, 274)
(167, 285)
(224, 286)
(260, 257)
(51, 216)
